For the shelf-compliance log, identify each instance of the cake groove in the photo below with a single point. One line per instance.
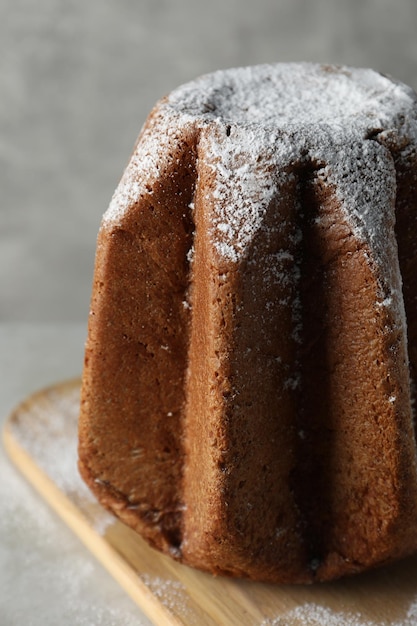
(312, 470)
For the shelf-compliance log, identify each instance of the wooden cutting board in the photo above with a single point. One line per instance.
(41, 439)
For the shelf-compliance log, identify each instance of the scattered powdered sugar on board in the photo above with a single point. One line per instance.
(310, 614)
(50, 438)
(52, 561)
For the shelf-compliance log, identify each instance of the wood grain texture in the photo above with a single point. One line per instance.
(41, 439)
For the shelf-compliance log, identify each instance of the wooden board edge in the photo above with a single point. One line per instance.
(105, 554)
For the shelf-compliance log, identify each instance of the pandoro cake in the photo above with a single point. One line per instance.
(250, 368)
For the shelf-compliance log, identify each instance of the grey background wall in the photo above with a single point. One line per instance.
(77, 79)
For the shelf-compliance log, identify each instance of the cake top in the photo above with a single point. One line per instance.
(301, 94)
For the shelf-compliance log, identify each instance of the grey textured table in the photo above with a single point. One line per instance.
(77, 80)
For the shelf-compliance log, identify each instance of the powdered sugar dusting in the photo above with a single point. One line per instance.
(252, 124)
(157, 143)
(295, 94)
(311, 614)
(244, 187)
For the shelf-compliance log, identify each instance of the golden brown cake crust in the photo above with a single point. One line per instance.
(246, 401)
